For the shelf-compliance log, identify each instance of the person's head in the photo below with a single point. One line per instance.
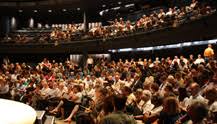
(154, 87)
(117, 77)
(101, 92)
(191, 56)
(171, 106)
(211, 95)
(88, 77)
(138, 94)
(44, 83)
(199, 56)
(209, 45)
(157, 100)
(194, 89)
(84, 118)
(146, 95)
(178, 76)
(182, 93)
(168, 90)
(76, 89)
(197, 111)
(161, 10)
(61, 86)
(108, 107)
(126, 91)
(119, 102)
(200, 68)
(171, 79)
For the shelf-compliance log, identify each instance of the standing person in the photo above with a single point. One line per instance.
(208, 53)
(90, 62)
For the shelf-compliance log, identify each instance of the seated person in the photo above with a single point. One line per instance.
(197, 111)
(118, 116)
(67, 104)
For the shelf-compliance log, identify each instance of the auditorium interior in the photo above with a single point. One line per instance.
(108, 62)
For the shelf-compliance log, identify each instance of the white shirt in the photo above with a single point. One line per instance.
(147, 107)
(213, 107)
(46, 92)
(199, 60)
(169, 13)
(189, 101)
(79, 95)
(156, 110)
(55, 93)
(87, 83)
(90, 61)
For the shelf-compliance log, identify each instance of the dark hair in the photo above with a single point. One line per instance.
(182, 94)
(103, 91)
(155, 87)
(169, 87)
(84, 118)
(108, 107)
(157, 100)
(127, 89)
(119, 102)
(78, 88)
(197, 111)
(171, 106)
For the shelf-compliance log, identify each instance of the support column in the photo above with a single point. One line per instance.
(85, 22)
(4, 25)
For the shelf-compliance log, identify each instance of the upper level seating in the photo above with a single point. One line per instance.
(152, 20)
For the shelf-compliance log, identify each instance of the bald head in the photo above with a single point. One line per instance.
(194, 88)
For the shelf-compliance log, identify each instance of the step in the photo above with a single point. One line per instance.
(40, 117)
(49, 120)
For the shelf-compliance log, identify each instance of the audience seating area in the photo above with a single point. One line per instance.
(157, 19)
(167, 90)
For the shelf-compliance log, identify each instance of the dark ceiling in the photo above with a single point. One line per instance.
(54, 11)
(58, 7)
(87, 5)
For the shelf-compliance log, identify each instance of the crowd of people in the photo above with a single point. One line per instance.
(165, 91)
(154, 20)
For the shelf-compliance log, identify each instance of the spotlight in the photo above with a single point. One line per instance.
(35, 11)
(64, 10)
(78, 9)
(49, 10)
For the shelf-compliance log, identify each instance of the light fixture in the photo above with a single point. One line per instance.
(103, 5)
(119, 2)
(129, 5)
(49, 10)
(78, 9)
(20, 10)
(64, 10)
(35, 11)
